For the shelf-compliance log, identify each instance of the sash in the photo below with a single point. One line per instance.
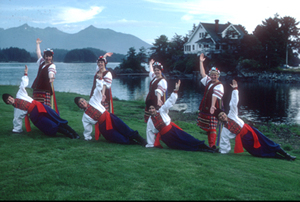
(162, 132)
(40, 108)
(238, 148)
(104, 117)
(54, 98)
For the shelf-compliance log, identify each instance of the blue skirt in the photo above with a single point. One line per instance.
(268, 148)
(121, 133)
(179, 139)
(48, 122)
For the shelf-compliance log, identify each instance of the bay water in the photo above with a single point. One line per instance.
(259, 102)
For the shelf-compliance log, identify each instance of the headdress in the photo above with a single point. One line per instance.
(217, 112)
(101, 58)
(214, 69)
(158, 65)
(5, 97)
(48, 50)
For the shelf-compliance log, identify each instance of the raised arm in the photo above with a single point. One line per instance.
(38, 49)
(201, 60)
(151, 65)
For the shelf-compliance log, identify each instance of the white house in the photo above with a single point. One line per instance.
(209, 38)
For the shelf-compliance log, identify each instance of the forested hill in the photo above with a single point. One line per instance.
(24, 37)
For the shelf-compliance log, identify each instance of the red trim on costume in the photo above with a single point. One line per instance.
(162, 132)
(27, 123)
(111, 102)
(54, 98)
(238, 148)
(104, 117)
(40, 108)
(97, 131)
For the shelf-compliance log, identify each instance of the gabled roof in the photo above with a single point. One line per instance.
(210, 29)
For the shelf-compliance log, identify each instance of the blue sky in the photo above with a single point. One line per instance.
(145, 19)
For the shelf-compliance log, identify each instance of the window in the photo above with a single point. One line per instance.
(193, 47)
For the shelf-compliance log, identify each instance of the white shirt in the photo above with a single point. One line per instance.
(226, 135)
(218, 89)
(107, 79)
(95, 101)
(19, 114)
(163, 111)
(161, 86)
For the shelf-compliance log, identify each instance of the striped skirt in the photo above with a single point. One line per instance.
(207, 122)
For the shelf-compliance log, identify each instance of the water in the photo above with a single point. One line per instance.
(274, 102)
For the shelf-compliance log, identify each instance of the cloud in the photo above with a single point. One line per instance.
(74, 15)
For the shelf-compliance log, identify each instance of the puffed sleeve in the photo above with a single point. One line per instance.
(233, 104)
(108, 80)
(218, 91)
(161, 87)
(205, 80)
(22, 93)
(52, 70)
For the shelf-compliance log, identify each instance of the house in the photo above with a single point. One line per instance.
(209, 38)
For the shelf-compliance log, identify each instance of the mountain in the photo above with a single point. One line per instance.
(103, 39)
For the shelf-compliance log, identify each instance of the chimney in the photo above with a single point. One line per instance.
(217, 26)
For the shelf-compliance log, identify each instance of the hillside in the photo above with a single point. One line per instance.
(104, 39)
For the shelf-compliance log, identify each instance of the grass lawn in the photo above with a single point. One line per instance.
(36, 167)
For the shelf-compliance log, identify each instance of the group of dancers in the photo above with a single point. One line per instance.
(99, 113)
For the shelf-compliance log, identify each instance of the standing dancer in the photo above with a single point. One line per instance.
(109, 125)
(107, 100)
(157, 88)
(174, 137)
(211, 100)
(41, 115)
(245, 136)
(43, 84)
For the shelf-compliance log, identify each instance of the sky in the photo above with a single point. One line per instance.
(145, 19)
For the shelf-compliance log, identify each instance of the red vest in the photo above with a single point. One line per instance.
(207, 98)
(152, 87)
(41, 81)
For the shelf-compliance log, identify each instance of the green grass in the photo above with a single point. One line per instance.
(36, 167)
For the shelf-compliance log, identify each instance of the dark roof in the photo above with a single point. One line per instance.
(210, 28)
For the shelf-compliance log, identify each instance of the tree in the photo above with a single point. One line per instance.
(277, 36)
(160, 51)
(132, 61)
(13, 54)
(80, 55)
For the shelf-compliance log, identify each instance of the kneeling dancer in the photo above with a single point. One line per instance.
(109, 125)
(41, 115)
(245, 136)
(167, 131)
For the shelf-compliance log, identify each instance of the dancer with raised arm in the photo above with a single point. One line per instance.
(157, 88)
(109, 125)
(42, 86)
(160, 127)
(245, 136)
(41, 115)
(106, 75)
(211, 100)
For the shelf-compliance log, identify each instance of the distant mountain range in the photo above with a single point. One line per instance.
(104, 39)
